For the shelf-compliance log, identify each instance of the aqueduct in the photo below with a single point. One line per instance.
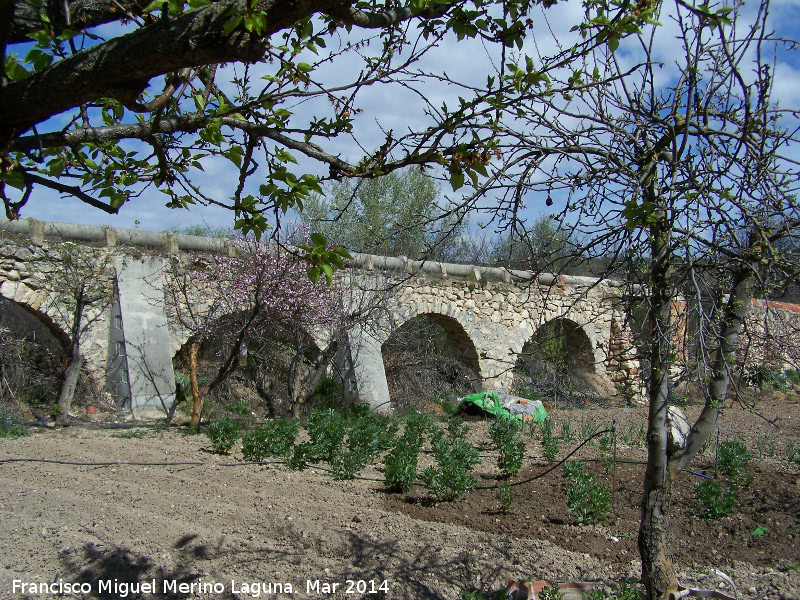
(489, 314)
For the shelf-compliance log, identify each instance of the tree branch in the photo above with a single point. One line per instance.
(121, 68)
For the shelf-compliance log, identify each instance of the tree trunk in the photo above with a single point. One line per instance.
(658, 572)
(70, 382)
(302, 396)
(197, 407)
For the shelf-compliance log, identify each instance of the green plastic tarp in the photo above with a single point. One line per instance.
(491, 403)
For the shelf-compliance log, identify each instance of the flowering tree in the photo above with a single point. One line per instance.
(222, 298)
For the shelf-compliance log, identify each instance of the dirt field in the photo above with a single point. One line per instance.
(250, 530)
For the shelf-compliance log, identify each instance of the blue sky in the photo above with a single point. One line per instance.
(397, 108)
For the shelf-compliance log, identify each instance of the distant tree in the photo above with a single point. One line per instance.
(543, 245)
(400, 214)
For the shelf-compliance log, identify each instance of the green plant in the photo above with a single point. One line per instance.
(10, 430)
(472, 595)
(551, 593)
(587, 498)
(401, 462)
(766, 446)
(454, 457)
(223, 434)
(327, 395)
(505, 435)
(326, 429)
(588, 428)
(732, 460)
(275, 438)
(240, 407)
(131, 434)
(505, 493)
(792, 452)
(55, 409)
(626, 590)
(550, 443)
(368, 435)
(792, 375)
(567, 434)
(713, 501)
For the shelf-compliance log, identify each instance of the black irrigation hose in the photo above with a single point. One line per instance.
(87, 424)
(555, 466)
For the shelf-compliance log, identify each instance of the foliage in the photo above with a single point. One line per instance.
(401, 461)
(11, 430)
(762, 376)
(131, 434)
(454, 458)
(550, 443)
(221, 301)
(275, 438)
(396, 215)
(714, 502)
(505, 435)
(732, 460)
(626, 590)
(326, 430)
(551, 593)
(567, 434)
(328, 394)
(587, 498)
(505, 493)
(223, 434)
(155, 124)
(368, 435)
(240, 407)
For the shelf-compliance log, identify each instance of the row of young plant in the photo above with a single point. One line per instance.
(348, 441)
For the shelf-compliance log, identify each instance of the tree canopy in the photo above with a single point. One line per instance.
(107, 101)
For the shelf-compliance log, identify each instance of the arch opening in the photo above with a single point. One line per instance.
(557, 364)
(33, 359)
(428, 360)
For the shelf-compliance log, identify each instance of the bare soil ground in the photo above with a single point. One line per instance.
(235, 526)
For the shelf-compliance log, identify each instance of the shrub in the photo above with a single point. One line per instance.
(368, 435)
(9, 430)
(275, 438)
(732, 460)
(505, 493)
(550, 443)
(326, 428)
(713, 502)
(240, 407)
(401, 462)
(223, 434)
(587, 498)
(505, 434)
(454, 457)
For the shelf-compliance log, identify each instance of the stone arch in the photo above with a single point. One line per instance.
(32, 302)
(457, 337)
(580, 348)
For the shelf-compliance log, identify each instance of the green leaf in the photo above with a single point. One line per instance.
(313, 274)
(328, 273)
(304, 67)
(457, 180)
(319, 240)
(760, 530)
(231, 25)
(15, 179)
